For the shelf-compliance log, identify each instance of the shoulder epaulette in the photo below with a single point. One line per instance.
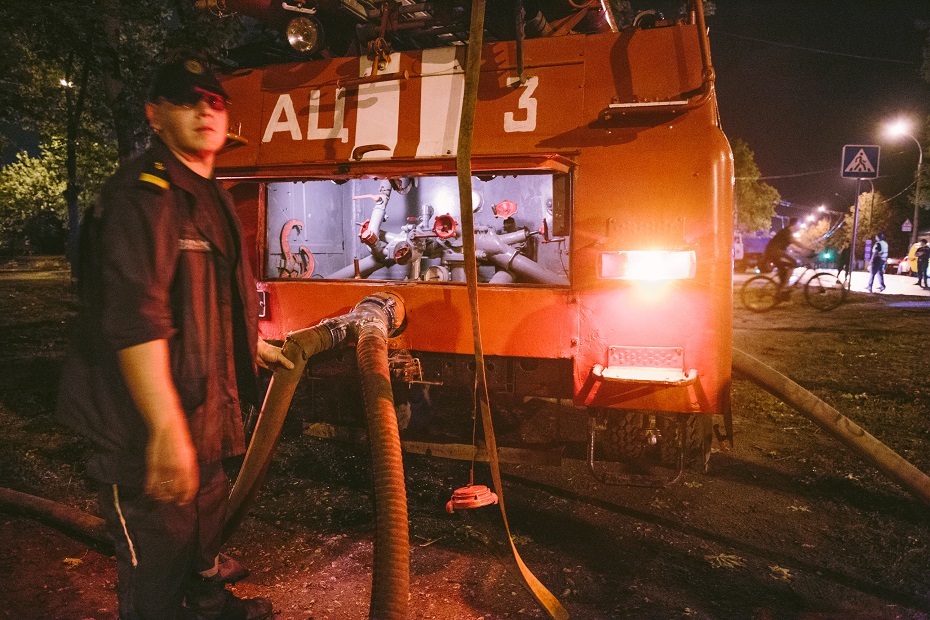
(156, 176)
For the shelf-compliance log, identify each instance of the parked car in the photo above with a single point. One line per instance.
(898, 265)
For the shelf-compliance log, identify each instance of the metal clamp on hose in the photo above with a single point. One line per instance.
(387, 303)
(338, 329)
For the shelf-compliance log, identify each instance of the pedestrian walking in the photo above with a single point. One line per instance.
(877, 264)
(842, 262)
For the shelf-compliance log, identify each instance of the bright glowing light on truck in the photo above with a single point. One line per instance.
(647, 265)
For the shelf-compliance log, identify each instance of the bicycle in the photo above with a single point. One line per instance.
(822, 291)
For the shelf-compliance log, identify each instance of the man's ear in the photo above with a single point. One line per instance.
(151, 114)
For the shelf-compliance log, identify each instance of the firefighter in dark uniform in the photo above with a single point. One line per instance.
(164, 353)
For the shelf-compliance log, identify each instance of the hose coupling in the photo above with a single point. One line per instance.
(338, 330)
(392, 307)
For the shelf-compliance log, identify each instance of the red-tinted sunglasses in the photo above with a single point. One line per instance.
(195, 96)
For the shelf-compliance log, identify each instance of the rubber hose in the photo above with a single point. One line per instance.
(529, 269)
(366, 266)
(299, 347)
(69, 520)
(836, 424)
(391, 579)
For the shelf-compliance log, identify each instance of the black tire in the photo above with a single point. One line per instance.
(759, 294)
(699, 436)
(624, 438)
(824, 291)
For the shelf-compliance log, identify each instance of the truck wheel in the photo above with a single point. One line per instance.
(624, 437)
(698, 439)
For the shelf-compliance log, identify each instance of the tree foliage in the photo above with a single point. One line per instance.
(755, 199)
(924, 179)
(75, 74)
(33, 209)
(29, 187)
(814, 234)
(875, 215)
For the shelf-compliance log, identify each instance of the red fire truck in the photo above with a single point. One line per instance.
(602, 201)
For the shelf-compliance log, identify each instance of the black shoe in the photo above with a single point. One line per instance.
(208, 599)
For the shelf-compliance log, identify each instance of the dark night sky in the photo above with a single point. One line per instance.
(796, 108)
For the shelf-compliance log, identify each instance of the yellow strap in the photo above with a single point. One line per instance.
(463, 167)
(154, 180)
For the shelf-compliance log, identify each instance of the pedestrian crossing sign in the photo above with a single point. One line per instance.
(860, 161)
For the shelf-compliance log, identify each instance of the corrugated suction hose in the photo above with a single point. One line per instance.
(369, 324)
(391, 579)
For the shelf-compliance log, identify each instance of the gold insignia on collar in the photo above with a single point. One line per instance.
(194, 67)
(145, 177)
(159, 165)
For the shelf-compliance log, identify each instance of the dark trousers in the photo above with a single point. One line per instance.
(785, 263)
(160, 546)
(922, 272)
(877, 268)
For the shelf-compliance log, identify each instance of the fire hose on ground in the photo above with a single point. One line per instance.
(841, 428)
(390, 580)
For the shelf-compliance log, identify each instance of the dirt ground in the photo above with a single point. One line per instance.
(787, 524)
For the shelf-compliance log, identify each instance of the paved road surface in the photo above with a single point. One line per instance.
(894, 284)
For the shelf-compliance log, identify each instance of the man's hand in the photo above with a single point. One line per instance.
(171, 473)
(271, 357)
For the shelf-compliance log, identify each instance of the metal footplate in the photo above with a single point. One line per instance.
(656, 365)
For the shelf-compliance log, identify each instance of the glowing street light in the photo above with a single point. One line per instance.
(902, 127)
(822, 208)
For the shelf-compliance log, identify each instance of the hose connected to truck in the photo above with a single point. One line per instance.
(370, 323)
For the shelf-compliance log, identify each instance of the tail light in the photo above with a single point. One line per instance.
(647, 265)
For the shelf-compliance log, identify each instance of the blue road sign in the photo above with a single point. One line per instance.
(860, 161)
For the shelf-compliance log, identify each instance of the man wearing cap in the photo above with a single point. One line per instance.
(164, 353)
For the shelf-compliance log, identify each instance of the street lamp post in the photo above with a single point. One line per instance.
(920, 165)
(901, 128)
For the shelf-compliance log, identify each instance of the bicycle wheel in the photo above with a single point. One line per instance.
(824, 291)
(759, 293)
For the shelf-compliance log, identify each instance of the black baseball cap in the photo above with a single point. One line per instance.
(180, 79)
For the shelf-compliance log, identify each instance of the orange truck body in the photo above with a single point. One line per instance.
(622, 129)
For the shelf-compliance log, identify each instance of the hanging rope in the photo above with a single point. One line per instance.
(463, 168)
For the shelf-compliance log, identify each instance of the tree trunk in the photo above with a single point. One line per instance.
(73, 189)
(113, 80)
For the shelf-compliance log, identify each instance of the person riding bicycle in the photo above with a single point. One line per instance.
(776, 252)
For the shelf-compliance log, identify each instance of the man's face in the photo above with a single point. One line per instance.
(196, 130)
